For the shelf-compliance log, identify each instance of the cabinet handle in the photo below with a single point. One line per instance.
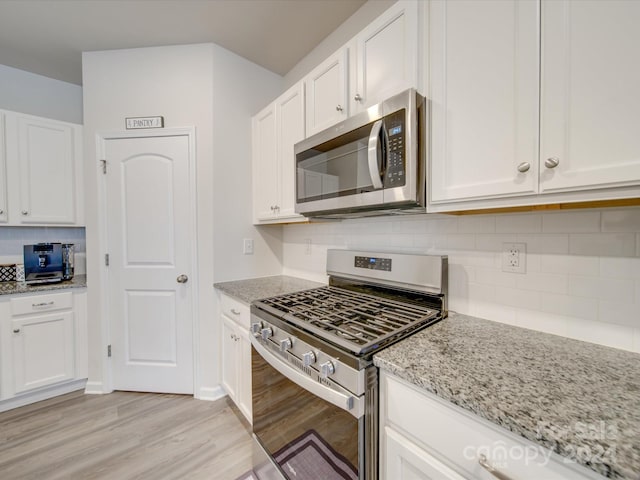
(551, 162)
(524, 167)
(339, 108)
(43, 304)
(235, 312)
(25, 212)
(16, 330)
(357, 98)
(1, 212)
(482, 460)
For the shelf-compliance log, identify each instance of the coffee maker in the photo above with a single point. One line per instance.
(43, 263)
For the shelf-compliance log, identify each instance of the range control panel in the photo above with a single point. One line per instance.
(373, 263)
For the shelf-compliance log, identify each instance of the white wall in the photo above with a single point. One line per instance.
(583, 266)
(192, 85)
(26, 92)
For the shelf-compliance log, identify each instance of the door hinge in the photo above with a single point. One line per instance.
(104, 166)
(108, 350)
(106, 259)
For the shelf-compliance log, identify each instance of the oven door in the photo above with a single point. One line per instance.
(308, 429)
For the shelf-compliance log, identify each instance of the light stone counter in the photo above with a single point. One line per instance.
(11, 288)
(256, 288)
(561, 393)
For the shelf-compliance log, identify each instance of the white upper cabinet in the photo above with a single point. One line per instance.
(327, 93)
(44, 171)
(484, 98)
(386, 56)
(276, 129)
(3, 172)
(590, 94)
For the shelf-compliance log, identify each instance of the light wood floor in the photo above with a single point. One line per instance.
(124, 436)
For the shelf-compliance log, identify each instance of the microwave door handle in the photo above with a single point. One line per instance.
(374, 169)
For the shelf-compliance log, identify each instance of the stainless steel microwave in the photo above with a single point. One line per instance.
(372, 163)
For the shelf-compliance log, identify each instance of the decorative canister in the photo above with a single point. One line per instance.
(8, 273)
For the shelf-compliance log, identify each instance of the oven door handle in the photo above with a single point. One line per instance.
(348, 403)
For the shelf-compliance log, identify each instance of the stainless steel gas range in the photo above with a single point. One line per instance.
(314, 385)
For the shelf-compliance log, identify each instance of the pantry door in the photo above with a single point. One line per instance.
(149, 223)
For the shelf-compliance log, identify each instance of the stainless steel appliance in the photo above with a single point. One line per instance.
(43, 263)
(370, 164)
(314, 385)
(68, 260)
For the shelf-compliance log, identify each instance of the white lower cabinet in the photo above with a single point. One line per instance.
(43, 339)
(236, 353)
(425, 437)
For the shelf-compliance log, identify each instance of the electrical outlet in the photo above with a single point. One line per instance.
(307, 248)
(247, 246)
(514, 257)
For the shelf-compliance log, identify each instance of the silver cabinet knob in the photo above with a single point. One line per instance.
(339, 108)
(1, 212)
(551, 162)
(285, 344)
(16, 330)
(235, 312)
(484, 463)
(266, 333)
(25, 212)
(308, 358)
(524, 167)
(182, 279)
(357, 98)
(327, 369)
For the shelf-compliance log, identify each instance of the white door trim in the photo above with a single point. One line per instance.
(101, 138)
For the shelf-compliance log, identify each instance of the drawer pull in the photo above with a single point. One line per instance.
(16, 330)
(482, 460)
(43, 304)
(235, 312)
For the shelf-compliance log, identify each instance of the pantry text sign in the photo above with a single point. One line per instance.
(133, 123)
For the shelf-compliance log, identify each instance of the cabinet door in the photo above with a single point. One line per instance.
(3, 172)
(290, 117)
(46, 153)
(43, 350)
(229, 358)
(590, 95)
(386, 56)
(244, 374)
(484, 98)
(403, 460)
(326, 93)
(265, 164)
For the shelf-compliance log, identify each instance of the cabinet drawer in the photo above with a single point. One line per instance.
(235, 310)
(41, 303)
(460, 439)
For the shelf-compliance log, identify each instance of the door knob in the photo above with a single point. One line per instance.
(182, 279)
(551, 162)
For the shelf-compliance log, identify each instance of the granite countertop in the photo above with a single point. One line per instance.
(560, 393)
(256, 288)
(11, 288)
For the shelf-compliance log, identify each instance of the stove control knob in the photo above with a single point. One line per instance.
(266, 333)
(308, 358)
(256, 328)
(285, 344)
(327, 369)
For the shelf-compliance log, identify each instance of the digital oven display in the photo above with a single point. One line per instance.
(373, 263)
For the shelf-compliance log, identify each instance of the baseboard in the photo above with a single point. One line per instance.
(95, 388)
(211, 394)
(41, 394)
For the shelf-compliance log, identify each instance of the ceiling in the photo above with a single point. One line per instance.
(48, 37)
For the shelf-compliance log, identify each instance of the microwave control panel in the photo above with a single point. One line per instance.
(396, 149)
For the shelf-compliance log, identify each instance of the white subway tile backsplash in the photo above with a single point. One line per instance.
(543, 322)
(601, 288)
(619, 313)
(492, 276)
(496, 313)
(482, 293)
(637, 295)
(442, 225)
(627, 220)
(573, 265)
(571, 222)
(543, 282)
(522, 223)
(616, 336)
(605, 244)
(616, 267)
(549, 244)
(409, 225)
(476, 224)
(636, 340)
(461, 242)
(493, 243)
(513, 297)
(570, 306)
